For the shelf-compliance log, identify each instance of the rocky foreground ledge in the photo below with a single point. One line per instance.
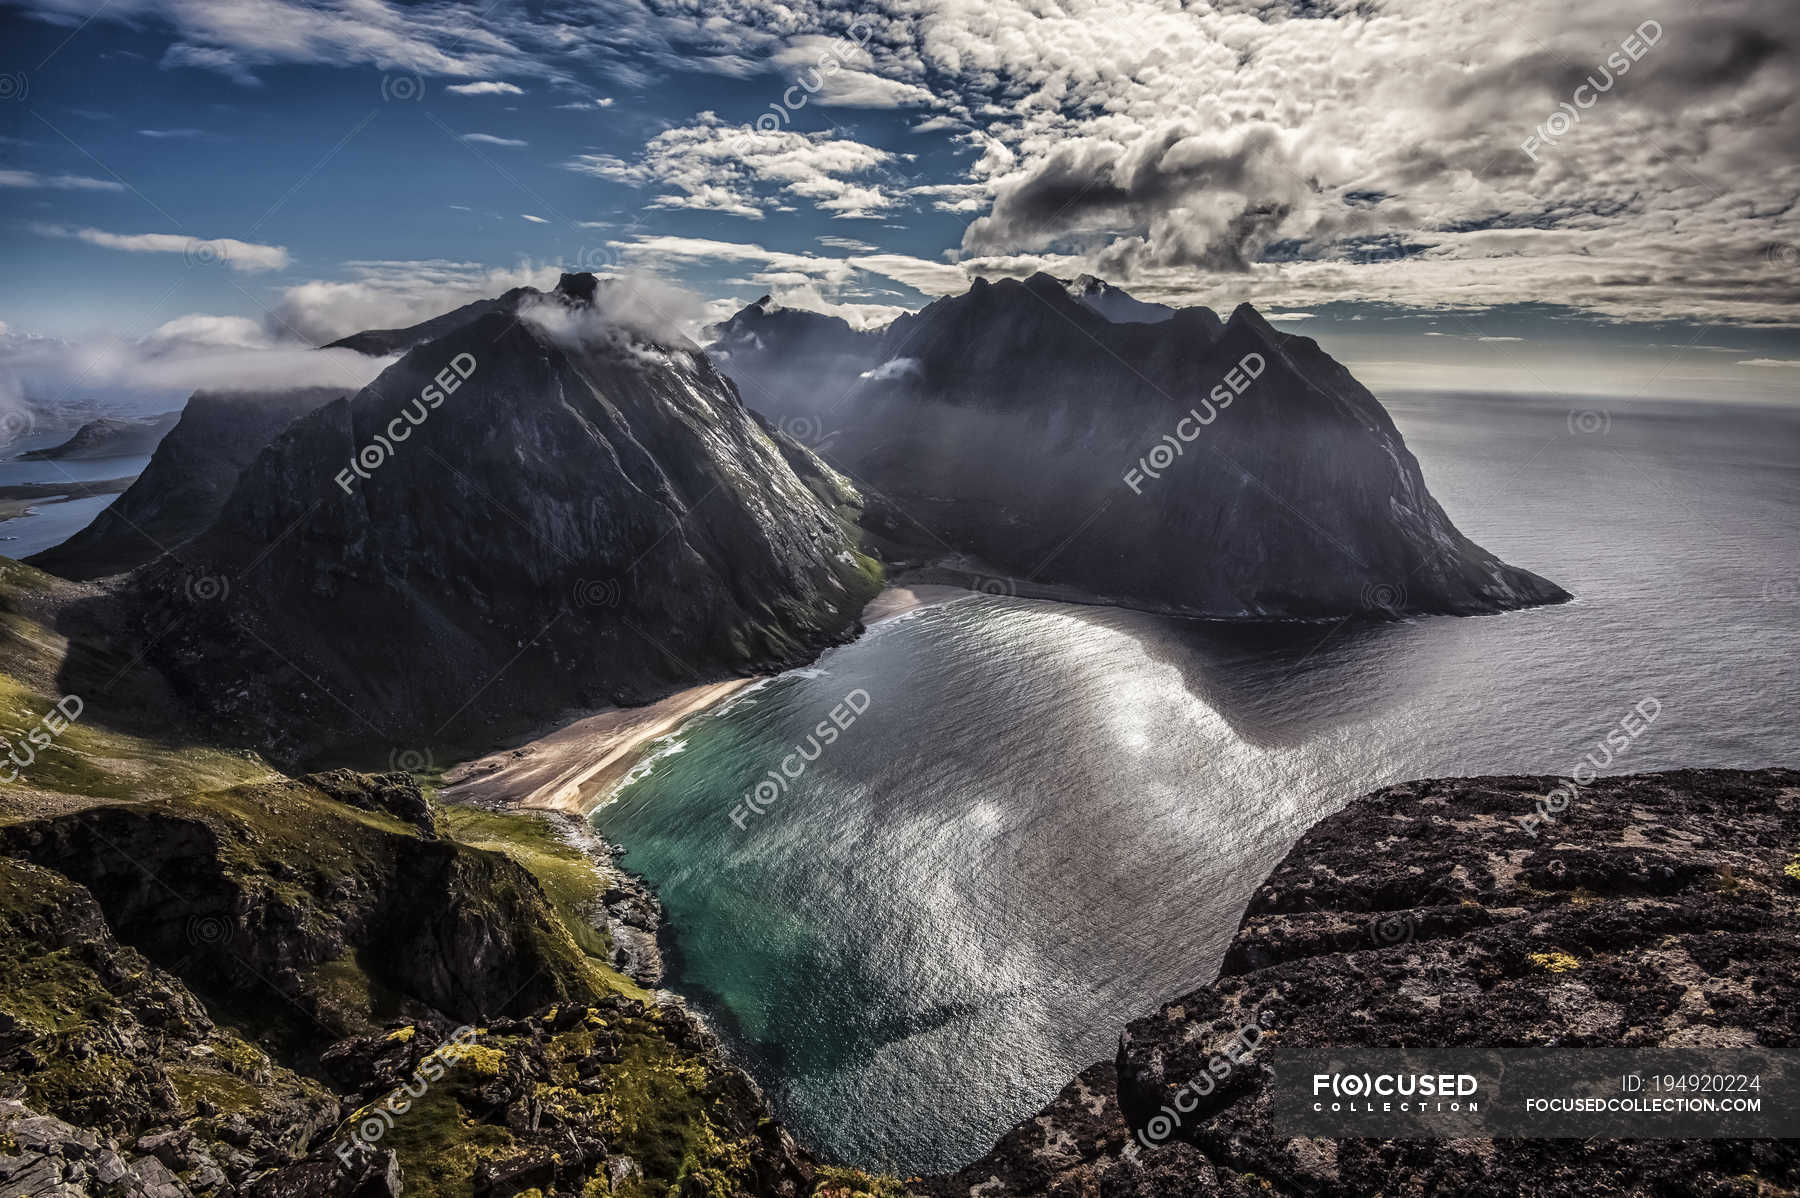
(330, 988)
(1653, 911)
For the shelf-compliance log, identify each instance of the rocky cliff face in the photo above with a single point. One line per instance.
(186, 482)
(1183, 464)
(306, 990)
(1657, 910)
(538, 511)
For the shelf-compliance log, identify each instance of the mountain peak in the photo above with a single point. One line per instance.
(1115, 303)
(1245, 316)
(579, 287)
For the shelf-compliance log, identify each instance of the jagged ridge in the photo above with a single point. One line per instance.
(1188, 465)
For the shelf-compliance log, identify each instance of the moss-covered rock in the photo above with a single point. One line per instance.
(461, 1040)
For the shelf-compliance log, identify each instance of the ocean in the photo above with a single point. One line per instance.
(53, 521)
(1046, 819)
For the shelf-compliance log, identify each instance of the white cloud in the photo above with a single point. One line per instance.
(1290, 151)
(716, 167)
(57, 182)
(188, 354)
(394, 294)
(894, 368)
(835, 72)
(639, 304)
(210, 58)
(239, 255)
(1777, 363)
(536, 220)
(953, 197)
(199, 329)
(485, 88)
(488, 139)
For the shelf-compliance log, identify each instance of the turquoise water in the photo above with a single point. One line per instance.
(1049, 818)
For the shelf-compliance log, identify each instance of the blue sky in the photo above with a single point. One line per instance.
(1390, 178)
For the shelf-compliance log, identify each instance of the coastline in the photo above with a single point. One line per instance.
(573, 768)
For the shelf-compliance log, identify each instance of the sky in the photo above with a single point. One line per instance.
(1448, 194)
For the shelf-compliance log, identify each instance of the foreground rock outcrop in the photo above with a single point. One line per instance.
(1067, 436)
(317, 989)
(1654, 911)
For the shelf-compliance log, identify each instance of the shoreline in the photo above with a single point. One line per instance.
(573, 768)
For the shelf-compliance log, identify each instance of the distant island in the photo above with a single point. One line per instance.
(17, 499)
(108, 438)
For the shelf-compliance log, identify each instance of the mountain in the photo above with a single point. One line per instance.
(1116, 304)
(380, 343)
(186, 482)
(1188, 465)
(190, 476)
(108, 438)
(544, 509)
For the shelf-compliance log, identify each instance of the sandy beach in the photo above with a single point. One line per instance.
(575, 767)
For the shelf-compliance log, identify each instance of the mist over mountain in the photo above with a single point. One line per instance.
(1187, 465)
(534, 511)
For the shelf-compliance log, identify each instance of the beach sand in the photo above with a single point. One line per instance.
(574, 768)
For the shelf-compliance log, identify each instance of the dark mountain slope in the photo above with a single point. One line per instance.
(1185, 465)
(186, 482)
(380, 343)
(108, 438)
(589, 517)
